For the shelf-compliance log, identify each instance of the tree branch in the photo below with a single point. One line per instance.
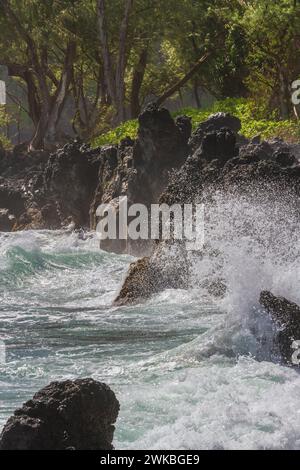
(182, 81)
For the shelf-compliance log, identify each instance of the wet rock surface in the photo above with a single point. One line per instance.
(65, 188)
(219, 163)
(150, 275)
(77, 414)
(47, 191)
(140, 170)
(165, 164)
(214, 124)
(286, 315)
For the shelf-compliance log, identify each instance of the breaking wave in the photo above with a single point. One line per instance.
(191, 370)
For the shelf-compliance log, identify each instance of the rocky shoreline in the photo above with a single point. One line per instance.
(167, 163)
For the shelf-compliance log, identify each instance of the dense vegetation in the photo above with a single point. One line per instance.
(243, 108)
(101, 61)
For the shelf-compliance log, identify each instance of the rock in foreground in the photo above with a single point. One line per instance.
(75, 414)
(287, 316)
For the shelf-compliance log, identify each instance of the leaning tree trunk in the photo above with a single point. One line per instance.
(37, 142)
(106, 56)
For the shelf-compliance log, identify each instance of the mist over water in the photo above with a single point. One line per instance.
(190, 370)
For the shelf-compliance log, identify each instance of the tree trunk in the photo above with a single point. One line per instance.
(137, 80)
(106, 56)
(37, 142)
(46, 131)
(60, 95)
(23, 72)
(284, 98)
(32, 98)
(44, 108)
(196, 93)
(114, 76)
(120, 71)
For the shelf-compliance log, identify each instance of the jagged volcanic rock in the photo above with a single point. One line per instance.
(75, 414)
(215, 122)
(218, 164)
(44, 191)
(150, 275)
(70, 181)
(287, 316)
(140, 170)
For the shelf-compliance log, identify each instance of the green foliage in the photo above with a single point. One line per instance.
(127, 129)
(244, 109)
(272, 32)
(251, 119)
(4, 121)
(253, 45)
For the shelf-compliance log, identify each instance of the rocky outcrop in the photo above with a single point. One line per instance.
(71, 177)
(213, 124)
(287, 317)
(218, 163)
(65, 188)
(140, 169)
(43, 191)
(75, 414)
(143, 279)
(150, 275)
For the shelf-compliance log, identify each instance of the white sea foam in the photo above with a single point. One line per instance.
(190, 371)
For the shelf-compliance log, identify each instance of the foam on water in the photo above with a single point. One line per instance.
(190, 371)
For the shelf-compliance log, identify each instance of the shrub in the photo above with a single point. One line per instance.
(4, 120)
(128, 128)
(252, 122)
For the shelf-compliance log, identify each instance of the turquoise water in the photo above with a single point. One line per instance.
(190, 372)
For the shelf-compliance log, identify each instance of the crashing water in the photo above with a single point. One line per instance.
(190, 371)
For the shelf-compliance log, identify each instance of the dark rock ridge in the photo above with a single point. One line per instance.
(70, 180)
(77, 414)
(219, 163)
(164, 164)
(287, 317)
(41, 191)
(140, 169)
(215, 123)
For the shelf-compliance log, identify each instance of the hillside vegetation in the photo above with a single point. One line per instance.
(252, 123)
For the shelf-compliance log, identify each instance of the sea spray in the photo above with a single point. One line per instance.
(190, 370)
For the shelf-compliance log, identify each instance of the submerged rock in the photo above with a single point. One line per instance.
(75, 414)
(287, 316)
